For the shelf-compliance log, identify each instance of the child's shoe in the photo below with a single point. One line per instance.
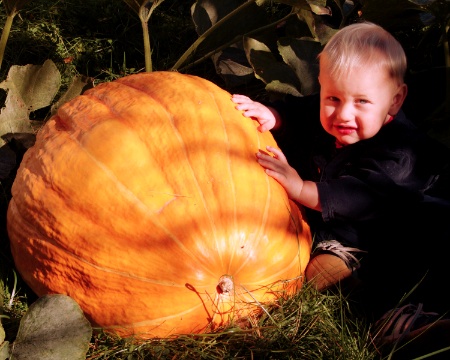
(331, 263)
(409, 324)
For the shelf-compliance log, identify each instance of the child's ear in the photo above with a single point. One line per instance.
(398, 99)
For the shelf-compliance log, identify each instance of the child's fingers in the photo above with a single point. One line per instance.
(278, 154)
(263, 152)
(237, 98)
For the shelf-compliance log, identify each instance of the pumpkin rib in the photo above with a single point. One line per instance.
(127, 275)
(154, 219)
(124, 274)
(265, 213)
(230, 176)
(262, 223)
(182, 145)
(194, 177)
(226, 141)
(144, 211)
(63, 117)
(118, 184)
(157, 322)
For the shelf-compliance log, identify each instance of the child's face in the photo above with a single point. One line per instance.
(356, 105)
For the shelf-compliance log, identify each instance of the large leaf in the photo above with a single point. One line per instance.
(317, 24)
(277, 76)
(36, 85)
(231, 64)
(54, 328)
(221, 24)
(301, 56)
(29, 87)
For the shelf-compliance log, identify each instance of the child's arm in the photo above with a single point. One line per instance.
(276, 166)
(299, 190)
(267, 117)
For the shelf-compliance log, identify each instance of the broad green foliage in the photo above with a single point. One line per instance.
(244, 43)
(241, 41)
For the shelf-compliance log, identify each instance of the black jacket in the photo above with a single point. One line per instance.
(387, 195)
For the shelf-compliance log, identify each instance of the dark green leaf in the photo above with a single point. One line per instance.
(221, 24)
(278, 76)
(301, 56)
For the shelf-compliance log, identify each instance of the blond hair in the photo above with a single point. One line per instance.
(365, 43)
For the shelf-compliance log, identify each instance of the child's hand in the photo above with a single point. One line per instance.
(277, 167)
(266, 116)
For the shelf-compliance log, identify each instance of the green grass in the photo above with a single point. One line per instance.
(307, 325)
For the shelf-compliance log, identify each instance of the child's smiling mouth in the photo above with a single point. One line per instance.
(345, 130)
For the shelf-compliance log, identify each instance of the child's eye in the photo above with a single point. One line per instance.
(362, 101)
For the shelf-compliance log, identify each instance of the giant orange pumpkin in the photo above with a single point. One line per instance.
(143, 201)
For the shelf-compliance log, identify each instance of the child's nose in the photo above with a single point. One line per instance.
(345, 112)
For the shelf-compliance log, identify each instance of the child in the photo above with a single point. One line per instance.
(359, 167)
